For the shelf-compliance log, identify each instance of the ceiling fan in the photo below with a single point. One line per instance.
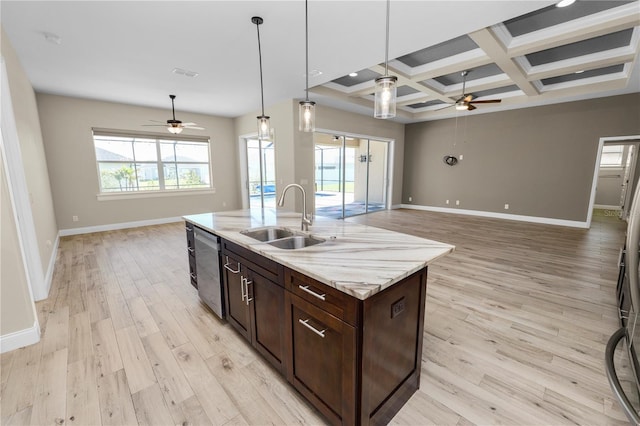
(466, 102)
(175, 126)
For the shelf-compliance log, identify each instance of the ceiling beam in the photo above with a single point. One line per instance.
(405, 80)
(487, 41)
(606, 22)
(335, 94)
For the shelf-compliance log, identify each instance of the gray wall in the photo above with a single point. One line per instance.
(66, 127)
(538, 160)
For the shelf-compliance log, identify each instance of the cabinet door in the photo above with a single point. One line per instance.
(238, 313)
(323, 365)
(267, 303)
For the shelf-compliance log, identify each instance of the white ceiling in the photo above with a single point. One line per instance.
(124, 51)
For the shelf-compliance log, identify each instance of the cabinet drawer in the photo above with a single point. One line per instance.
(335, 302)
(260, 264)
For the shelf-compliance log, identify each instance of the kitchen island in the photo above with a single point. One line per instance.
(342, 320)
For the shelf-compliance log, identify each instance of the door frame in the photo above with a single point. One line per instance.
(616, 140)
(390, 158)
(20, 202)
(244, 165)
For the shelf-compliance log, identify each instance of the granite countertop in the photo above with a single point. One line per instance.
(356, 259)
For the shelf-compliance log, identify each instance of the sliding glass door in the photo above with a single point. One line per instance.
(350, 175)
(261, 172)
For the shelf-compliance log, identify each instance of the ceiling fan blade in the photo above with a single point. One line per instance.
(444, 107)
(468, 98)
(154, 125)
(189, 124)
(193, 128)
(157, 121)
(470, 107)
(488, 101)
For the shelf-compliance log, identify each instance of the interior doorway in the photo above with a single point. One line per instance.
(615, 177)
(351, 175)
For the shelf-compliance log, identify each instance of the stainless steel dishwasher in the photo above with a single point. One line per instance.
(208, 270)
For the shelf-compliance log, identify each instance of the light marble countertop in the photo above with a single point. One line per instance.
(356, 259)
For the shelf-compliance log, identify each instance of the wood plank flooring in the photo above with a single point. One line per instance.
(516, 325)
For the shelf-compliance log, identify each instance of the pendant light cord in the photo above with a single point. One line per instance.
(306, 40)
(386, 50)
(260, 60)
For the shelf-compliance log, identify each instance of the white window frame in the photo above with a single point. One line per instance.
(161, 191)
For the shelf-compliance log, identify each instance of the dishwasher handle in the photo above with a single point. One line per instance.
(626, 405)
(208, 239)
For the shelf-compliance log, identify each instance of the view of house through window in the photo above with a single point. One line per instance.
(140, 163)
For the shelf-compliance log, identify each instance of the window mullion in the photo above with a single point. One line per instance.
(135, 165)
(160, 166)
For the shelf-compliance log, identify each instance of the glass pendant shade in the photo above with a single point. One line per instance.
(385, 97)
(264, 128)
(174, 130)
(307, 116)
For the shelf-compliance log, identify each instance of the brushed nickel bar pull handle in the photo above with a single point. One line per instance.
(313, 293)
(312, 328)
(242, 292)
(246, 283)
(191, 249)
(227, 266)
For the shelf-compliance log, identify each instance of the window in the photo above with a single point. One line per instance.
(611, 156)
(129, 163)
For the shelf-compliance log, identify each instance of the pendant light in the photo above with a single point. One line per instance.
(306, 108)
(386, 90)
(264, 127)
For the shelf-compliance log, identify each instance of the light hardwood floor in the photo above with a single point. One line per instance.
(516, 325)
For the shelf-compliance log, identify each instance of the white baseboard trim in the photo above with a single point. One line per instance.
(20, 339)
(520, 218)
(396, 206)
(606, 207)
(115, 226)
(48, 279)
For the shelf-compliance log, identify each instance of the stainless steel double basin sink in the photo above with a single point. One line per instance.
(283, 238)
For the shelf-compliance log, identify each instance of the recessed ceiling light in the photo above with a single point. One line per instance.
(565, 3)
(184, 72)
(353, 74)
(579, 72)
(52, 38)
(315, 73)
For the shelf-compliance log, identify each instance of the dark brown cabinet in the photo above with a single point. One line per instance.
(323, 365)
(356, 361)
(255, 301)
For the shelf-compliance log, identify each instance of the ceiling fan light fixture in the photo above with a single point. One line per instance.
(386, 86)
(264, 126)
(174, 129)
(461, 105)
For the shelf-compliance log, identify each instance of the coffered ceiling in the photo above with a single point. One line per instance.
(526, 52)
(553, 54)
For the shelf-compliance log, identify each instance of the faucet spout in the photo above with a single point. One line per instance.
(307, 220)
